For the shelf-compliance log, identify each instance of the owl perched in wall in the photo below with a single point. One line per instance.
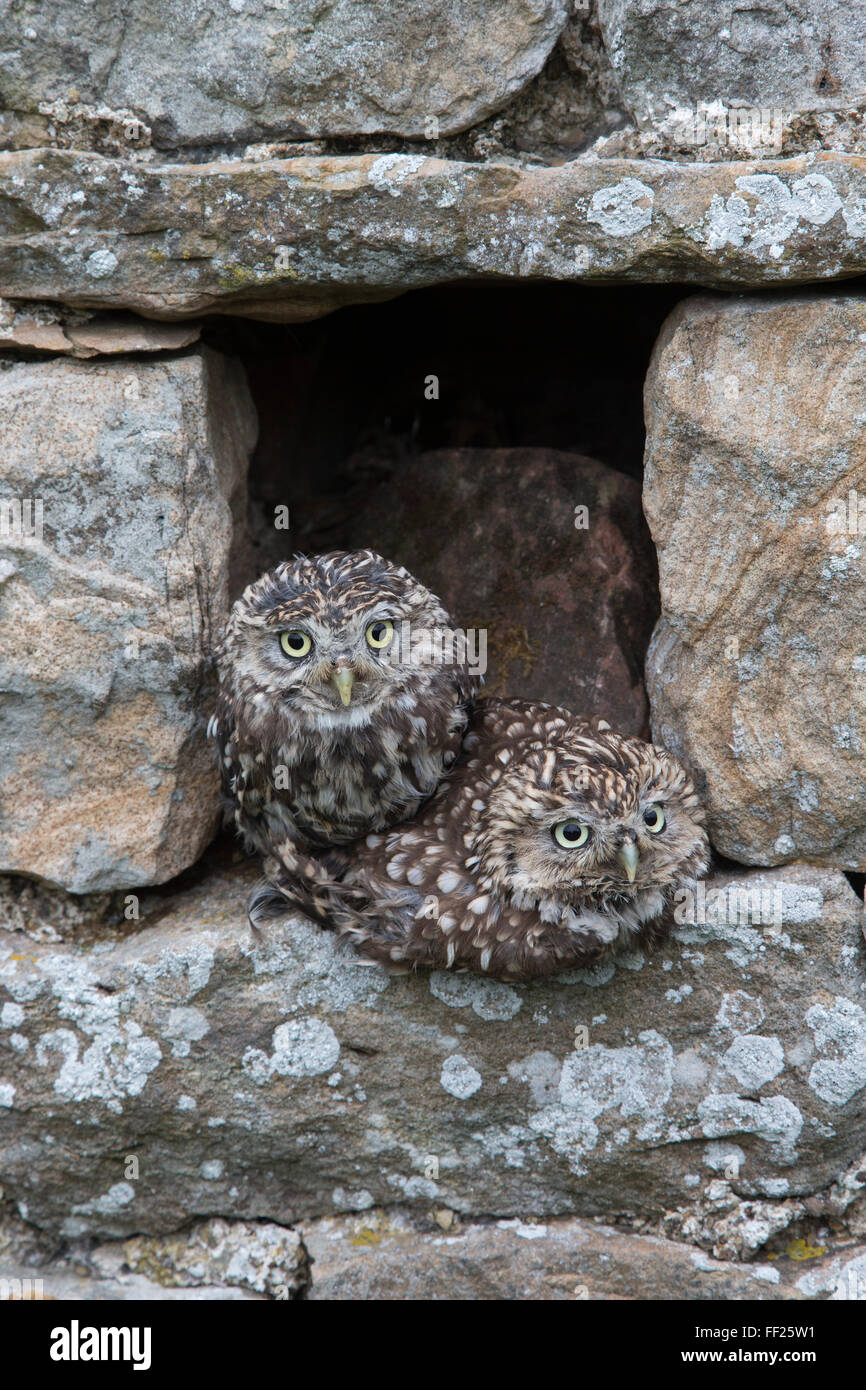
(330, 722)
(555, 842)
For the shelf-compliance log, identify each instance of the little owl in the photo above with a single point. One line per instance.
(327, 725)
(554, 842)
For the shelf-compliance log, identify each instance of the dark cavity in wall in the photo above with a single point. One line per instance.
(858, 883)
(552, 366)
(457, 430)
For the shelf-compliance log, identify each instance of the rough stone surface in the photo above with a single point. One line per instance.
(293, 239)
(797, 55)
(387, 1255)
(688, 74)
(30, 905)
(67, 1282)
(572, 102)
(287, 1081)
(567, 105)
(111, 335)
(253, 68)
(755, 492)
(107, 619)
(378, 1256)
(260, 1256)
(566, 598)
(76, 333)
(714, 132)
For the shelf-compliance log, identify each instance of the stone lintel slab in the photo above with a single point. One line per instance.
(288, 240)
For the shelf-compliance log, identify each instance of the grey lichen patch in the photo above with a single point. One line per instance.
(351, 1201)
(744, 942)
(775, 1119)
(623, 209)
(740, 1011)
(101, 263)
(183, 1027)
(309, 968)
(515, 1145)
(594, 975)
(797, 903)
(840, 1036)
(691, 1071)
(635, 1082)
(119, 1058)
(489, 999)
(767, 212)
(116, 1064)
(108, 1205)
(190, 965)
(413, 1189)
(389, 172)
(302, 1047)
(751, 1061)
(720, 1157)
(459, 1078)
(542, 1072)
(731, 1228)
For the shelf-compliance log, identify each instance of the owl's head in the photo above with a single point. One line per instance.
(331, 640)
(579, 814)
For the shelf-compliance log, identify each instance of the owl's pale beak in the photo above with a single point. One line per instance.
(342, 682)
(628, 857)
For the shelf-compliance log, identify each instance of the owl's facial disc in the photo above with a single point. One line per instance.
(575, 834)
(578, 820)
(618, 851)
(339, 671)
(575, 845)
(378, 636)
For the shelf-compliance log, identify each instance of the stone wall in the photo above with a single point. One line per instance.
(132, 474)
(186, 1112)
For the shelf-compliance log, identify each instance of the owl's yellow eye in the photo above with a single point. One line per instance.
(295, 643)
(571, 834)
(654, 819)
(380, 633)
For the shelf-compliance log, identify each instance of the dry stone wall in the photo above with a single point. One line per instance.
(755, 490)
(123, 483)
(185, 1112)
